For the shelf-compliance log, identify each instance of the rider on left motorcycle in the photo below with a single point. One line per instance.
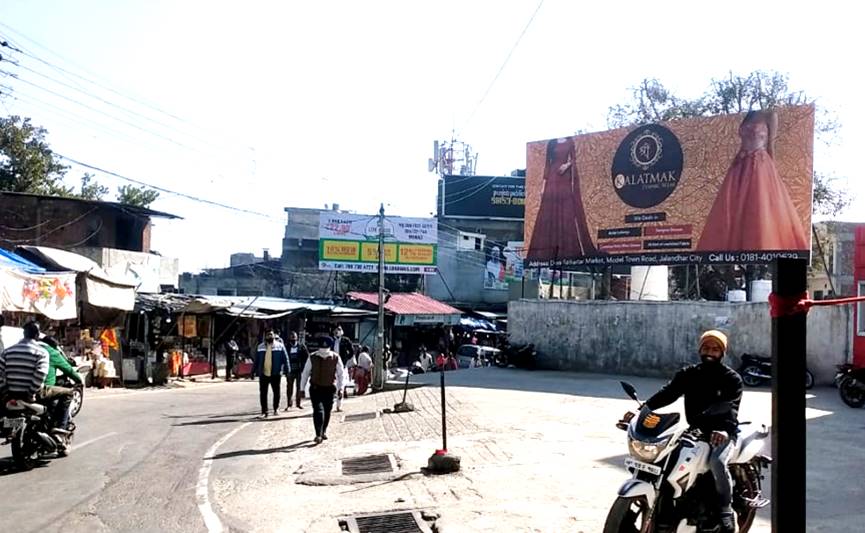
(705, 385)
(50, 393)
(23, 366)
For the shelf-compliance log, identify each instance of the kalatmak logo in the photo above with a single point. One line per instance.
(647, 166)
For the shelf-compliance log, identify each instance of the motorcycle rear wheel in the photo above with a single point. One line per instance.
(627, 515)
(809, 380)
(851, 394)
(749, 379)
(23, 455)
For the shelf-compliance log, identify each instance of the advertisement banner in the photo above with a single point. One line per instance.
(514, 254)
(52, 295)
(349, 242)
(502, 197)
(710, 190)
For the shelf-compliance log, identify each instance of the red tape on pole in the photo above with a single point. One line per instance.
(793, 305)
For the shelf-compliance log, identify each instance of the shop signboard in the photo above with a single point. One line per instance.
(496, 197)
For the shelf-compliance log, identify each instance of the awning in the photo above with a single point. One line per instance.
(26, 288)
(411, 308)
(98, 289)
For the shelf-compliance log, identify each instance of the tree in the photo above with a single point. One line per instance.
(137, 196)
(91, 190)
(652, 102)
(28, 165)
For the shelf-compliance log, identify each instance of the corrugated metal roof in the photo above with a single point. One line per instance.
(408, 303)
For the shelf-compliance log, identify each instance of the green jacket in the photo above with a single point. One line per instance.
(57, 361)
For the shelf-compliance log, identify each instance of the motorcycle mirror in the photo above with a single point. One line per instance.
(630, 390)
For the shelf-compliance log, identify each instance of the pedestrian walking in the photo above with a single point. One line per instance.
(297, 357)
(324, 372)
(362, 371)
(271, 362)
(231, 350)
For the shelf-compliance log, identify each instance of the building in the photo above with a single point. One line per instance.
(116, 236)
(833, 260)
(480, 228)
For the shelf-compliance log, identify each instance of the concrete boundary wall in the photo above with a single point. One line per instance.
(657, 338)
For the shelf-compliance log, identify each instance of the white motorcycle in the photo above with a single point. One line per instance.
(672, 489)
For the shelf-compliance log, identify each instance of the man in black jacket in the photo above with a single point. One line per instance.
(705, 385)
(297, 356)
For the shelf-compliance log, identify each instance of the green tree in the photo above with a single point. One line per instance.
(137, 196)
(91, 190)
(27, 163)
(651, 102)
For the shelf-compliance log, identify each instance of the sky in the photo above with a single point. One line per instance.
(263, 105)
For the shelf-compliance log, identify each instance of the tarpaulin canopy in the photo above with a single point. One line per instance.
(26, 288)
(98, 289)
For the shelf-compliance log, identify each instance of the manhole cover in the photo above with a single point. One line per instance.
(360, 416)
(401, 522)
(371, 464)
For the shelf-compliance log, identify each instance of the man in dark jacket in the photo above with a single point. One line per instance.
(324, 373)
(271, 362)
(297, 356)
(705, 385)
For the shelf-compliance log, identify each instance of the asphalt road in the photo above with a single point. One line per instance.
(134, 464)
(138, 456)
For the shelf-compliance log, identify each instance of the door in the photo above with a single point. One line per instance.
(859, 312)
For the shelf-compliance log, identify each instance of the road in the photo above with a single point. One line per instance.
(539, 449)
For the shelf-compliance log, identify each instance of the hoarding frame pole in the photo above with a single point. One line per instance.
(789, 337)
(379, 372)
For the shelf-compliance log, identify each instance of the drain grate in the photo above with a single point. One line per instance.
(371, 464)
(400, 522)
(360, 416)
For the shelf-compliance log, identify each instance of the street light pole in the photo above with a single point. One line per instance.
(379, 372)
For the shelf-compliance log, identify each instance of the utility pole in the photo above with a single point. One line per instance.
(379, 372)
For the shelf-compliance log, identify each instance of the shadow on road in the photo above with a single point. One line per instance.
(8, 468)
(267, 451)
(207, 422)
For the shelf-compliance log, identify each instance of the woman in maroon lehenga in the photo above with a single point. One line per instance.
(753, 210)
(560, 230)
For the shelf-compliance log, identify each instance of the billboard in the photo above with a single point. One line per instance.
(500, 197)
(349, 242)
(710, 190)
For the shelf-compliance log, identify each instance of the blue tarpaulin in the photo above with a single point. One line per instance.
(16, 262)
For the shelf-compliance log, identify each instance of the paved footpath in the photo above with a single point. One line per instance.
(539, 452)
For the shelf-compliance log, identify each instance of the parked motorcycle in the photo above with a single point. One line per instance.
(672, 489)
(519, 355)
(851, 385)
(29, 429)
(757, 370)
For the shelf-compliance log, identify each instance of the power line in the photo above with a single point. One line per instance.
(504, 64)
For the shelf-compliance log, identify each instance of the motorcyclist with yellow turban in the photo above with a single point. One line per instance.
(705, 386)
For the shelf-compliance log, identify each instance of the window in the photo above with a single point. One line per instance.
(467, 242)
(860, 315)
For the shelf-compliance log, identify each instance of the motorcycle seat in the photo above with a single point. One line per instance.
(20, 405)
(759, 358)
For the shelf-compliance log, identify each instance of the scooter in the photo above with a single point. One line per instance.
(672, 489)
(757, 370)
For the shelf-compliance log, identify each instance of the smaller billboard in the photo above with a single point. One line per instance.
(349, 243)
(501, 197)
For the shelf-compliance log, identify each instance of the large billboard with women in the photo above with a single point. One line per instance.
(710, 190)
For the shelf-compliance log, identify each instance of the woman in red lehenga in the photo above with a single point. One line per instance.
(753, 210)
(560, 230)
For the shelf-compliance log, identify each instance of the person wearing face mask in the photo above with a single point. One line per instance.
(271, 362)
(297, 356)
(706, 385)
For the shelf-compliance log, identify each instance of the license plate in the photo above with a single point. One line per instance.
(13, 423)
(643, 467)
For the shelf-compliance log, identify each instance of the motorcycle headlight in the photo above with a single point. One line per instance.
(646, 451)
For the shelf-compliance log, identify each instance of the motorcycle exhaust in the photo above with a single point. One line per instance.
(47, 440)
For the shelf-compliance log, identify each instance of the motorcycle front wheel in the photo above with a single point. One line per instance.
(749, 378)
(77, 400)
(809, 380)
(850, 393)
(627, 515)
